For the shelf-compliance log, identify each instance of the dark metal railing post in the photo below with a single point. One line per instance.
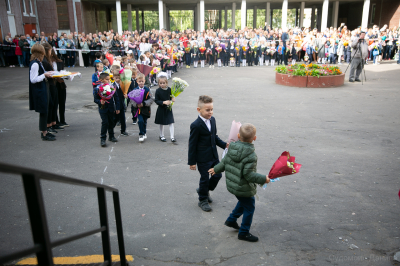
(120, 233)
(37, 216)
(105, 235)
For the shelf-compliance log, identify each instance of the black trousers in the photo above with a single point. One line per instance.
(207, 183)
(53, 102)
(43, 116)
(211, 62)
(121, 118)
(62, 97)
(226, 60)
(133, 111)
(107, 124)
(85, 59)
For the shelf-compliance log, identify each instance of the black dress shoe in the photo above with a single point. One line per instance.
(248, 237)
(234, 225)
(103, 143)
(163, 139)
(350, 80)
(210, 200)
(47, 137)
(124, 134)
(50, 135)
(113, 139)
(204, 205)
(358, 80)
(64, 124)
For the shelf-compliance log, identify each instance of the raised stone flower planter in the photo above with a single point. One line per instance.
(309, 82)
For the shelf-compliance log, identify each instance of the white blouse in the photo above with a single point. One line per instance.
(34, 74)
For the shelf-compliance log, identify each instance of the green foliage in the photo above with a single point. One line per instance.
(277, 18)
(181, 19)
(281, 69)
(299, 72)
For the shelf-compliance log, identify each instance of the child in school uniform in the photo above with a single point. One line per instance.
(106, 65)
(195, 54)
(294, 53)
(121, 97)
(202, 56)
(231, 53)
(188, 55)
(144, 108)
(203, 142)
(243, 53)
(250, 54)
(267, 54)
(131, 87)
(239, 165)
(96, 75)
(106, 111)
(164, 115)
(98, 60)
(274, 53)
(286, 55)
(237, 57)
(280, 52)
(211, 56)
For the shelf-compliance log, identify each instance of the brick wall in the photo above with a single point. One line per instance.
(386, 12)
(28, 19)
(94, 17)
(17, 12)
(47, 15)
(79, 16)
(71, 16)
(5, 28)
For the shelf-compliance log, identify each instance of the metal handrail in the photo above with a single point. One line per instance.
(42, 246)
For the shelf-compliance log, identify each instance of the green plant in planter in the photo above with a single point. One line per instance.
(281, 69)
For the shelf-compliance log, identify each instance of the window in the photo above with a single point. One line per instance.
(30, 5)
(372, 18)
(24, 7)
(8, 6)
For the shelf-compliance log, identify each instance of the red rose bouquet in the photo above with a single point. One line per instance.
(106, 92)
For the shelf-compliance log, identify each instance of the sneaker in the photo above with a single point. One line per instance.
(134, 123)
(163, 139)
(50, 135)
(248, 237)
(57, 127)
(64, 124)
(113, 139)
(47, 137)
(173, 140)
(145, 136)
(350, 80)
(358, 80)
(234, 225)
(124, 134)
(141, 138)
(60, 125)
(103, 143)
(204, 205)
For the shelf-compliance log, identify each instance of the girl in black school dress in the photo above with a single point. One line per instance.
(164, 115)
(211, 56)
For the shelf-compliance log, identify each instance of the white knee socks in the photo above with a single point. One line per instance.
(202, 63)
(171, 130)
(272, 62)
(262, 60)
(195, 63)
(219, 62)
(244, 62)
(293, 61)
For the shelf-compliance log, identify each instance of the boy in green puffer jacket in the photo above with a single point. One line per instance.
(240, 166)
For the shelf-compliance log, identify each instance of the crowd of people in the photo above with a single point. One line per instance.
(264, 46)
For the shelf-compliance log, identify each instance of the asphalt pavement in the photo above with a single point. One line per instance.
(342, 208)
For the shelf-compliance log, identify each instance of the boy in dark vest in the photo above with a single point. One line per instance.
(240, 166)
(203, 144)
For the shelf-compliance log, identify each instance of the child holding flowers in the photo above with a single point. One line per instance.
(164, 116)
(107, 108)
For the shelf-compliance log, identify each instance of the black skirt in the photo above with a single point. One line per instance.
(164, 116)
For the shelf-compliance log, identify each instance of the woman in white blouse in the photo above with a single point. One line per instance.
(38, 91)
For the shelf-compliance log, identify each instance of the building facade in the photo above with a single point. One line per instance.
(48, 16)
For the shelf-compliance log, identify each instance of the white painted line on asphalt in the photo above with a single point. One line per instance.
(109, 157)
(105, 169)
(112, 149)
